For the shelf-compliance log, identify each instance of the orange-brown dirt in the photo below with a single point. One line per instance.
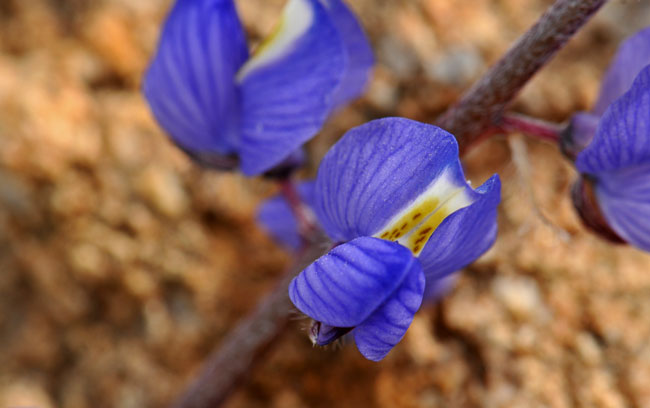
(122, 264)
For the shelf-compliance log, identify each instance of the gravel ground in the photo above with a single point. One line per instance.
(122, 264)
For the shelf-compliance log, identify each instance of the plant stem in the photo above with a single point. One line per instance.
(245, 345)
(479, 111)
(304, 216)
(548, 131)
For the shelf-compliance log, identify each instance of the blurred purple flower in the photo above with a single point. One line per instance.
(614, 190)
(393, 195)
(633, 55)
(225, 108)
(612, 149)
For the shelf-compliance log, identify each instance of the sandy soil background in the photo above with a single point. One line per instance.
(122, 264)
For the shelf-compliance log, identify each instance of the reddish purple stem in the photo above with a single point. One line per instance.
(304, 216)
(530, 126)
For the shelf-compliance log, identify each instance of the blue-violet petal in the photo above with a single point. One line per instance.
(358, 52)
(632, 56)
(624, 199)
(348, 284)
(623, 136)
(287, 87)
(462, 237)
(378, 334)
(619, 161)
(190, 82)
(376, 170)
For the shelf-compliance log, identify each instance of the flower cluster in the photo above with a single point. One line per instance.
(226, 108)
(612, 144)
(391, 194)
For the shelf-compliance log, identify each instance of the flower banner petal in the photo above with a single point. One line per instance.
(345, 286)
(376, 170)
(633, 55)
(277, 218)
(378, 334)
(287, 87)
(623, 135)
(359, 56)
(463, 236)
(190, 82)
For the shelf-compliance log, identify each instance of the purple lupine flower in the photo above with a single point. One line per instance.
(612, 149)
(226, 108)
(632, 56)
(392, 195)
(613, 194)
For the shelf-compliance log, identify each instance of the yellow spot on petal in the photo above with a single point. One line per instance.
(414, 225)
(424, 232)
(409, 220)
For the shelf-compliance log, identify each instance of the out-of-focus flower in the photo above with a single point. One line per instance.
(392, 195)
(611, 146)
(227, 109)
(613, 194)
(633, 55)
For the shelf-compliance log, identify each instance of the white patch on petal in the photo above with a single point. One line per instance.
(414, 225)
(296, 20)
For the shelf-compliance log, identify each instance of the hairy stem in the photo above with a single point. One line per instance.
(478, 113)
(232, 361)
